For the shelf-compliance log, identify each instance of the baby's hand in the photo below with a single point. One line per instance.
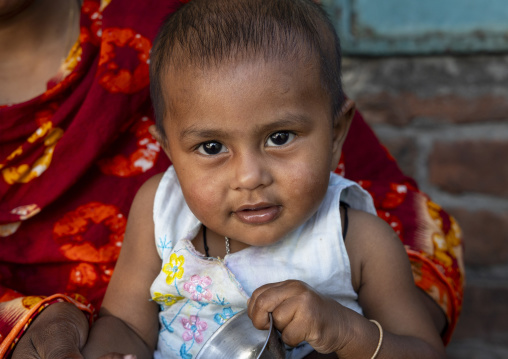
(300, 314)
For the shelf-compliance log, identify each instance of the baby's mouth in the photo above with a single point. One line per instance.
(258, 214)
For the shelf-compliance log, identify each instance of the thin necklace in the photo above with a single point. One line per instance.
(226, 239)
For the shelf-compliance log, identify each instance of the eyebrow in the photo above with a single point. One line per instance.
(196, 132)
(287, 121)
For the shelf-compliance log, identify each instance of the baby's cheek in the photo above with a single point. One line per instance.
(308, 189)
(306, 181)
(204, 200)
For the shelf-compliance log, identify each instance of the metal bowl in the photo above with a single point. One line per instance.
(239, 339)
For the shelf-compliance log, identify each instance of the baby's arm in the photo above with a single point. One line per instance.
(386, 291)
(128, 321)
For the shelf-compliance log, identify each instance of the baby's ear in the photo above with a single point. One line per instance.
(161, 138)
(341, 124)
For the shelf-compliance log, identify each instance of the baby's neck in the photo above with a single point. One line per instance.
(214, 245)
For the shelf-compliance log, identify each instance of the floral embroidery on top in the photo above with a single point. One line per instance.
(197, 288)
(227, 313)
(164, 244)
(192, 299)
(166, 299)
(174, 269)
(194, 328)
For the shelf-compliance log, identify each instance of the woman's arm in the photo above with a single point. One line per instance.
(128, 320)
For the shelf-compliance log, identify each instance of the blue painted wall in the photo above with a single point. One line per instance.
(383, 27)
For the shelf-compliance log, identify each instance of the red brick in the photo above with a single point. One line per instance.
(401, 108)
(475, 166)
(485, 236)
(484, 315)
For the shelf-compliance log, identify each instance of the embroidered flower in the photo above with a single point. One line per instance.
(167, 299)
(194, 328)
(197, 287)
(226, 314)
(174, 269)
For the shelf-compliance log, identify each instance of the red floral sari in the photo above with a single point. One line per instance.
(72, 159)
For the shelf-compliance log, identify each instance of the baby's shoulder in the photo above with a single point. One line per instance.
(369, 238)
(145, 195)
(362, 224)
(149, 187)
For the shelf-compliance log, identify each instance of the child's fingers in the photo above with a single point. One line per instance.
(267, 297)
(292, 321)
(263, 300)
(308, 317)
(299, 313)
(276, 298)
(295, 332)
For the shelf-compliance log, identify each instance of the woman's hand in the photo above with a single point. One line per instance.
(59, 332)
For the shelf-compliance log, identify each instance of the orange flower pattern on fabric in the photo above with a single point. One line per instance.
(141, 160)
(85, 276)
(93, 32)
(68, 232)
(82, 275)
(112, 76)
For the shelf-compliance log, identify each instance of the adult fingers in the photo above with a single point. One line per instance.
(59, 332)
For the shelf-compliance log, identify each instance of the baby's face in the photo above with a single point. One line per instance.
(252, 145)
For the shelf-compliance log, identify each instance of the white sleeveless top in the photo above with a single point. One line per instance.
(198, 294)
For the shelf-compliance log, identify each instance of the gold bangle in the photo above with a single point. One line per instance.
(380, 337)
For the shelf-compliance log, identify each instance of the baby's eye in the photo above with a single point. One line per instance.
(211, 148)
(280, 138)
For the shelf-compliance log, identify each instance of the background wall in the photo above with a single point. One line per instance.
(431, 77)
(445, 119)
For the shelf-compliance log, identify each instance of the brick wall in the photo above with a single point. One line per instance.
(445, 119)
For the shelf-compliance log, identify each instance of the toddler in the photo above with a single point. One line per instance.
(250, 110)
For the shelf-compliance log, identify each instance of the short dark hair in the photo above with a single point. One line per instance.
(207, 33)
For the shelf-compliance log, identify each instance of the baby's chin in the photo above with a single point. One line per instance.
(263, 239)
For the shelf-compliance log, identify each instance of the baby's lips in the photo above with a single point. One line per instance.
(260, 215)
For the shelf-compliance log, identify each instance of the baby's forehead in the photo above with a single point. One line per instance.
(244, 89)
(185, 78)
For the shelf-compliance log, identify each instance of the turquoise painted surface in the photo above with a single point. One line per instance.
(382, 27)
